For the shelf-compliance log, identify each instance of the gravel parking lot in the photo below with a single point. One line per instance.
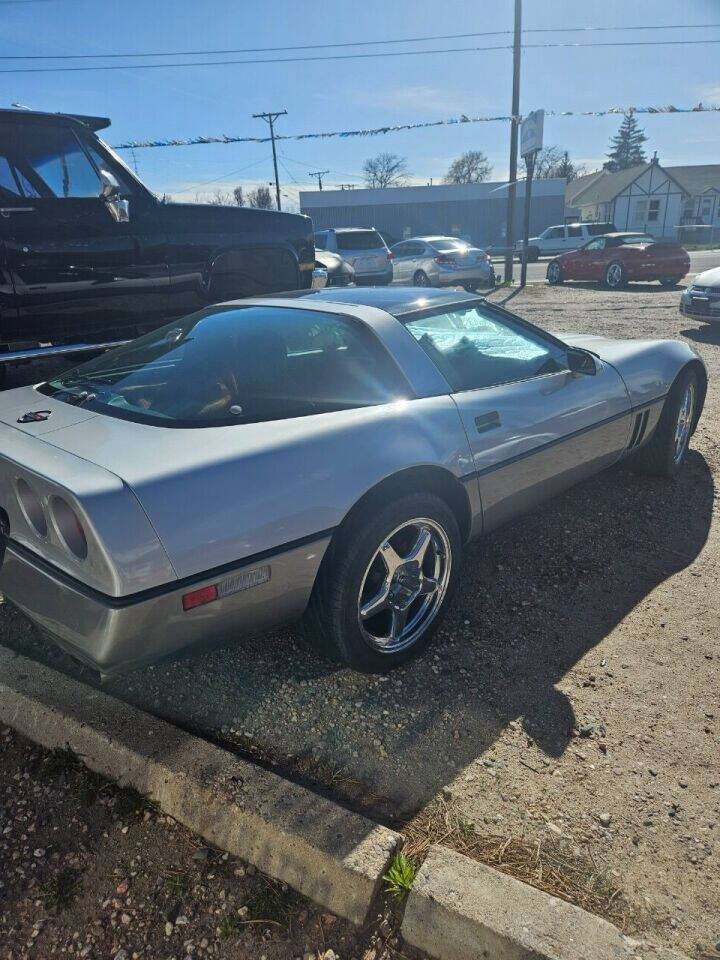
(572, 694)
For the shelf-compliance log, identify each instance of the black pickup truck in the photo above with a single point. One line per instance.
(89, 256)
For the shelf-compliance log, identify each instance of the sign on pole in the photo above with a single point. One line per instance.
(531, 132)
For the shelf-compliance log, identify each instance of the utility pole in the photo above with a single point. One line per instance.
(514, 124)
(319, 174)
(530, 169)
(270, 117)
(346, 186)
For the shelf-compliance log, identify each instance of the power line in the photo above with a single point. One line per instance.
(225, 176)
(358, 56)
(352, 43)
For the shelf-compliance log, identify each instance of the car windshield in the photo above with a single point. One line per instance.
(359, 240)
(637, 238)
(237, 365)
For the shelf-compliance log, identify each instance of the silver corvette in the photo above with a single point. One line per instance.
(321, 456)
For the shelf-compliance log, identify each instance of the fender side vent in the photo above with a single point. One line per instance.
(641, 422)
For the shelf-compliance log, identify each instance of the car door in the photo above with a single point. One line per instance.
(599, 252)
(400, 254)
(575, 236)
(534, 427)
(78, 273)
(555, 241)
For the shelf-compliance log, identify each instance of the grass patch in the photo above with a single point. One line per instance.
(550, 864)
(400, 877)
(177, 885)
(230, 928)
(56, 893)
(272, 903)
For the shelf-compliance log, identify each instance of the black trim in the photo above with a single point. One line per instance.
(118, 603)
(568, 436)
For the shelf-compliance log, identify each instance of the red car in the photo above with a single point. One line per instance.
(615, 258)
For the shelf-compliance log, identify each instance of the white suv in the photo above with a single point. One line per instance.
(566, 236)
(364, 249)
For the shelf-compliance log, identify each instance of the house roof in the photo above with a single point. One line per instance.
(602, 186)
(696, 178)
(577, 186)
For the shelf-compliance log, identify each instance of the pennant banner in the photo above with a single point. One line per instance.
(396, 128)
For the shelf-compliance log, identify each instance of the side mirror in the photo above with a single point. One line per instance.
(118, 206)
(581, 362)
(319, 278)
(109, 187)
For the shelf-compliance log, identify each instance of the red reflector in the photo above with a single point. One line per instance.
(390, 256)
(198, 597)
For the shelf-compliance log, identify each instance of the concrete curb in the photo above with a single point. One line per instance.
(459, 909)
(330, 855)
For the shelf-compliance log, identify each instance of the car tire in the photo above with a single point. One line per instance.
(421, 279)
(664, 454)
(670, 281)
(354, 571)
(554, 273)
(615, 276)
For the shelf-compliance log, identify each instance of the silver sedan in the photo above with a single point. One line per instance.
(441, 262)
(322, 456)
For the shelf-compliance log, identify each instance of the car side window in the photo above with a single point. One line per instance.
(476, 348)
(56, 161)
(557, 233)
(575, 230)
(9, 187)
(401, 249)
(102, 163)
(598, 244)
(321, 241)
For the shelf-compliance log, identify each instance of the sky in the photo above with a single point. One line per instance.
(359, 93)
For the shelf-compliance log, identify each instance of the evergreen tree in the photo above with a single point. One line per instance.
(626, 146)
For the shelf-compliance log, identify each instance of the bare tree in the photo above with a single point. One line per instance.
(471, 167)
(238, 197)
(552, 161)
(385, 170)
(221, 198)
(260, 198)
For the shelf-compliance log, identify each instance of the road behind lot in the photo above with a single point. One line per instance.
(699, 260)
(574, 688)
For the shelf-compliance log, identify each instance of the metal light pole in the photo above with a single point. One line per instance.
(270, 117)
(530, 169)
(514, 123)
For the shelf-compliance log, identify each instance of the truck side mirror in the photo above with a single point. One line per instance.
(118, 206)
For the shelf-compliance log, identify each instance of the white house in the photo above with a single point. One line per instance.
(670, 202)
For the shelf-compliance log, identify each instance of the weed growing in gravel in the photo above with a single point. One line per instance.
(177, 885)
(274, 903)
(400, 876)
(59, 890)
(230, 928)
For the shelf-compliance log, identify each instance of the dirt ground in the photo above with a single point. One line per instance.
(88, 870)
(572, 696)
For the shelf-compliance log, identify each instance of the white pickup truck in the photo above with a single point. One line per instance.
(566, 236)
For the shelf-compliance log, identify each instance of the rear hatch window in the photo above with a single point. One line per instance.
(359, 240)
(598, 229)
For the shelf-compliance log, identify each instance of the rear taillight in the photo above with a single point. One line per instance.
(197, 598)
(68, 525)
(444, 258)
(389, 256)
(31, 507)
(483, 256)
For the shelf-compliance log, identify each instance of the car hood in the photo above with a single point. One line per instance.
(708, 278)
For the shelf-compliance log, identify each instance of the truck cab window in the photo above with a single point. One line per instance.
(56, 160)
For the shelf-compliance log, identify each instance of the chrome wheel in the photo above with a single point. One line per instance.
(614, 275)
(684, 422)
(404, 585)
(553, 273)
(421, 279)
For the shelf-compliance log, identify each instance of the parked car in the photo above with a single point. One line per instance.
(92, 256)
(441, 262)
(364, 249)
(563, 237)
(618, 257)
(339, 271)
(323, 456)
(702, 297)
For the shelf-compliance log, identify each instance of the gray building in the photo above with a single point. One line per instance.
(475, 211)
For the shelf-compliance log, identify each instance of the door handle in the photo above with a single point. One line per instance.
(488, 421)
(6, 211)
